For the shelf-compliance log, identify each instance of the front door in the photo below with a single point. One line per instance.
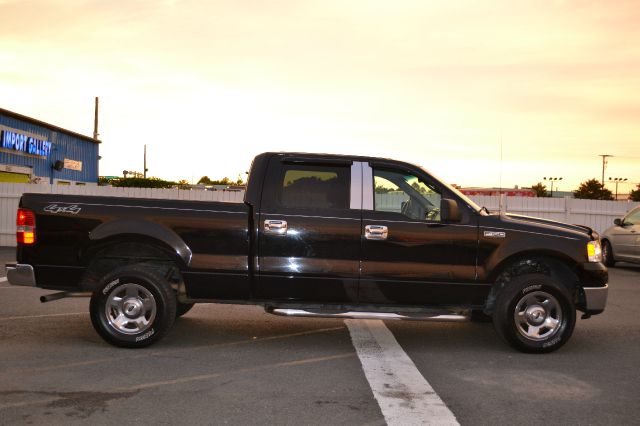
(410, 256)
(626, 237)
(309, 232)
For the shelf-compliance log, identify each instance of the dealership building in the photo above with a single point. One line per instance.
(32, 151)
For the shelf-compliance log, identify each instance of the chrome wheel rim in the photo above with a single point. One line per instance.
(538, 316)
(130, 309)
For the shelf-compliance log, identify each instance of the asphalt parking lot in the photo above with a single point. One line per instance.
(225, 364)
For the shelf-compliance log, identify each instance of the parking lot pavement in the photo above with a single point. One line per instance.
(594, 379)
(224, 364)
(220, 364)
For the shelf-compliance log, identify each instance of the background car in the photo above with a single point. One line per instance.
(621, 242)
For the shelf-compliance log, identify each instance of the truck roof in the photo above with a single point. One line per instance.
(345, 157)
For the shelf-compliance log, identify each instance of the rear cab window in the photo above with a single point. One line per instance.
(307, 188)
(314, 187)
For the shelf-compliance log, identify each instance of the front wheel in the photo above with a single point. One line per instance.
(133, 307)
(535, 314)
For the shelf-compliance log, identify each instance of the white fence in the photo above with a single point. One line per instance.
(598, 215)
(595, 214)
(10, 196)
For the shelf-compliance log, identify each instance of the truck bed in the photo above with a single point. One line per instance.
(210, 239)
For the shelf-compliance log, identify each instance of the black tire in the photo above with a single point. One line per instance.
(534, 313)
(183, 308)
(607, 254)
(133, 307)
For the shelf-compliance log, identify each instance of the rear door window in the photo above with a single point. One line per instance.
(313, 187)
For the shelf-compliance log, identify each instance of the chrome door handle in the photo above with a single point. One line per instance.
(276, 227)
(376, 232)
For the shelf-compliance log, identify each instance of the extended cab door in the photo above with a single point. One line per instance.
(410, 255)
(309, 231)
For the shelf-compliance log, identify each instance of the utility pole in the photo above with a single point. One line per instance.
(95, 121)
(604, 165)
(145, 161)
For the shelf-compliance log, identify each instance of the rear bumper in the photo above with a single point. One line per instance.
(20, 274)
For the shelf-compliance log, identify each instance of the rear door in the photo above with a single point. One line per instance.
(309, 230)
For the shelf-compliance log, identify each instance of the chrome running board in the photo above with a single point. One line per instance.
(413, 316)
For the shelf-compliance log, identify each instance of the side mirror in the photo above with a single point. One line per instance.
(617, 222)
(449, 211)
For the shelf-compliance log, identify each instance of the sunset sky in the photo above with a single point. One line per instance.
(209, 84)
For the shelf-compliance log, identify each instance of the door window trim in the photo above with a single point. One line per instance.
(361, 186)
(355, 193)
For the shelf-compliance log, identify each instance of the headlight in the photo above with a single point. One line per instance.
(594, 252)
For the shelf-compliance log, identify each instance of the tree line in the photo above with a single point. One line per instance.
(591, 189)
(154, 182)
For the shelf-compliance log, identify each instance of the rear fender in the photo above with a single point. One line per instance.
(144, 228)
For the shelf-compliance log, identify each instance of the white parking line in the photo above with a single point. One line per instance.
(404, 396)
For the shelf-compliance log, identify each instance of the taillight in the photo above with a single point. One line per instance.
(25, 227)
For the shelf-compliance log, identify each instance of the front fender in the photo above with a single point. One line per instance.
(493, 257)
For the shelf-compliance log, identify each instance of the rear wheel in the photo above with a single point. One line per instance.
(534, 313)
(133, 306)
(607, 254)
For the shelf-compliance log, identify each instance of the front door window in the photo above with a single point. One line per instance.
(405, 194)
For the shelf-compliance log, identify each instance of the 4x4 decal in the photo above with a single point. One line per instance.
(54, 208)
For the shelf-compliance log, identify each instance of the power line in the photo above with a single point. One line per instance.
(627, 156)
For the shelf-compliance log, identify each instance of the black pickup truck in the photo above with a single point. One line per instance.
(317, 235)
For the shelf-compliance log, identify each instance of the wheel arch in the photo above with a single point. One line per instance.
(534, 255)
(152, 232)
(547, 262)
(128, 249)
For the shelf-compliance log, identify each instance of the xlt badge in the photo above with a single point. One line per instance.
(495, 234)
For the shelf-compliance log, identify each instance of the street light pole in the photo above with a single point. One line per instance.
(552, 180)
(617, 181)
